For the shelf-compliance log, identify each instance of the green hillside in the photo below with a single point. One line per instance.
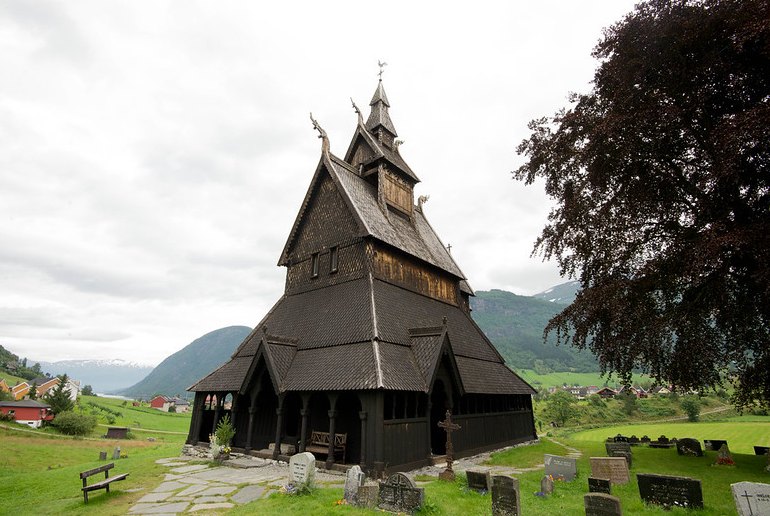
(515, 325)
(177, 372)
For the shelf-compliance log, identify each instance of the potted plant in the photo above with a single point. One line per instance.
(222, 439)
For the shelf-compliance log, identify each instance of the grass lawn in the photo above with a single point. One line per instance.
(526, 456)
(137, 418)
(39, 473)
(560, 378)
(741, 436)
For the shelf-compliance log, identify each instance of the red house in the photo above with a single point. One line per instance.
(161, 402)
(27, 412)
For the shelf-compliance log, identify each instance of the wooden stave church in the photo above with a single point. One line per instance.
(373, 336)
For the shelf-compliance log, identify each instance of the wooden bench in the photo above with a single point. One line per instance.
(319, 443)
(104, 484)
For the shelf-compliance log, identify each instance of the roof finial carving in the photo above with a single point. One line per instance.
(382, 66)
(321, 134)
(358, 112)
(422, 200)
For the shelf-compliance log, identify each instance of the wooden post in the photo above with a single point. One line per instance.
(363, 416)
(305, 413)
(278, 428)
(216, 413)
(332, 416)
(250, 430)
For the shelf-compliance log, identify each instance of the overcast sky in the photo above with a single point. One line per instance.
(153, 155)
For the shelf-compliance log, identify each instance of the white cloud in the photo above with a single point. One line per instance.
(155, 155)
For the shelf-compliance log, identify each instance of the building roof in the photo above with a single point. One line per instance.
(24, 404)
(356, 335)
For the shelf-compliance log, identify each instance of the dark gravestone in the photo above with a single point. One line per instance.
(505, 496)
(689, 447)
(601, 504)
(117, 433)
(645, 440)
(599, 485)
(662, 442)
(560, 468)
(670, 491)
(400, 494)
(663, 439)
(478, 480)
(367, 496)
(620, 438)
(102, 455)
(714, 444)
(633, 440)
(761, 450)
(620, 449)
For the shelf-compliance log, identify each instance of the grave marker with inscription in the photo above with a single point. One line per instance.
(400, 494)
(599, 485)
(714, 444)
(116, 454)
(613, 468)
(560, 468)
(670, 491)
(620, 449)
(302, 468)
(601, 504)
(505, 496)
(546, 485)
(751, 498)
(761, 450)
(689, 447)
(368, 495)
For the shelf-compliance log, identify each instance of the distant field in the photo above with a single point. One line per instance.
(139, 418)
(741, 436)
(10, 379)
(557, 379)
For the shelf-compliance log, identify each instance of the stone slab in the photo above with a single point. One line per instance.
(613, 468)
(189, 469)
(158, 508)
(601, 504)
(210, 499)
(478, 479)
(248, 494)
(670, 491)
(599, 485)
(194, 489)
(169, 486)
(211, 506)
(751, 498)
(217, 491)
(506, 499)
(560, 468)
(155, 497)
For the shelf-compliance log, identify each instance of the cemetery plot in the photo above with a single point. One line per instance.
(670, 491)
(600, 504)
(613, 468)
(478, 479)
(560, 468)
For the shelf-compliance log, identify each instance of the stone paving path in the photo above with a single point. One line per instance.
(191, 486)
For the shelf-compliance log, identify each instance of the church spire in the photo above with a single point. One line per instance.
(379, 122)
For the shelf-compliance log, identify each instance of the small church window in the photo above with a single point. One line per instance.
(333, 259)
(314, 265)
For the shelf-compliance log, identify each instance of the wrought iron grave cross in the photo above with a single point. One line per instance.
(449, 427)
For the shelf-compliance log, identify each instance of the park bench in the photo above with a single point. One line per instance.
(319, 443)
(104, 484)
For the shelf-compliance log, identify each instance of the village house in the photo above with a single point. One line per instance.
(607, 392)
(42, 386)
(27, 412)
(161, 402)
(372, 342)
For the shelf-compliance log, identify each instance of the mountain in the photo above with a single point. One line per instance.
(563, 294)
(102, 375)
(178, 371)
(515, 326)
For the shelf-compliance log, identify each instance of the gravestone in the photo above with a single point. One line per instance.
(102, 455)
(662, 442)
(670, 491)
(633, 440)
(751, 498)
(505, 496)
(114, 432)
(689, 447)
(116, 454)
(602, 504)
(620, 449)
(613, 468)
(546, 485)
(599, 485)
(645, 439)
(560, 468)
(302, 468)
(400, 494)
(620, 438)
(714, 444)
(368, 496)
(479, 479)
(448, 474)
(761, 450)
(724, 457)
(354, 479)
(663, 439)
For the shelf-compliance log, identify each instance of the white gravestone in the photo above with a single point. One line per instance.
(751, 498)
(302, 468)
(353, 480)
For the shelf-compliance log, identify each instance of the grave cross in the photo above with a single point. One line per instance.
(449, 427)
(746, 495)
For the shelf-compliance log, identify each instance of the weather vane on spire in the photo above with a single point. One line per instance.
(382, 66)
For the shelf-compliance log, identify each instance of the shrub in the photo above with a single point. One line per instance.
(225, 431)
(691, 406)
(70, 423)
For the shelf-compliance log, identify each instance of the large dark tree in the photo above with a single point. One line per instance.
(661, 182)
